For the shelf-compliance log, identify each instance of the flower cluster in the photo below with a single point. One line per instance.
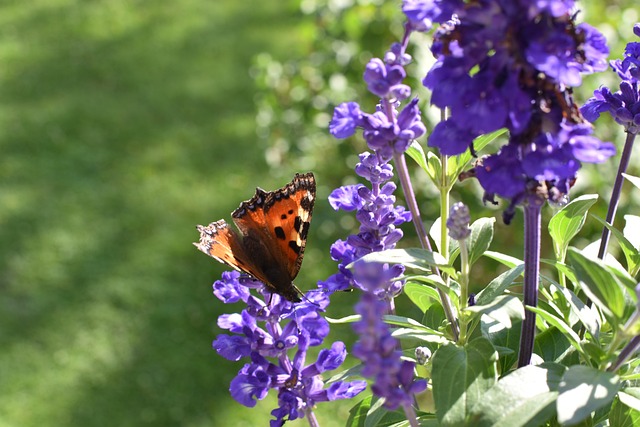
(388, 133)
(299, 386)
(623, 105)
(507, 64)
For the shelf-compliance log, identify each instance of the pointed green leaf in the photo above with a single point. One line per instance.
(462, 160)
(507, 260)
(583, 390)
(503, 309)
(630, 230)
(524, 398)
(574, 339)
(412, 258)
(551, 345)
(568, 221)
(586, 314)
(407, 322)
(503, 339)
(480, 238)
(474, 369)
(632, 179)
(416, 152)
(358, 413)
(499, 285)
(434, 169)
(631, 253)
(630, 396)
(599, 284)
(623, 415)
(421, 295)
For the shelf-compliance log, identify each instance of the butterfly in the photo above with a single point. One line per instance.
(273, 229)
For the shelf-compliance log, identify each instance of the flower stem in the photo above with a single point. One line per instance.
(464, 289)
(532, 220)
(630, 349)
(411, 415)
(444, 208)
(311, 417)
(615, 194)
(410, 197)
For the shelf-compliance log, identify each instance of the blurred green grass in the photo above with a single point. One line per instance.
(123, 124)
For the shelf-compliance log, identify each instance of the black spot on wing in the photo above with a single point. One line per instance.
(295, 246)
(279, 233)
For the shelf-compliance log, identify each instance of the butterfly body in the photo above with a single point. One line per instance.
(273, 232)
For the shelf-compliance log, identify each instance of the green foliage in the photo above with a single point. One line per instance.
(582, 391)
(474, 369)
(524, 398)
(566, 224)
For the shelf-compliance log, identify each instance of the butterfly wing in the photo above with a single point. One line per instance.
(281, 218)
(224, 245)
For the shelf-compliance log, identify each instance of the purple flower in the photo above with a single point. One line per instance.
(623, 105)
(502, 64)
(458, 221)
(266, 334)
(346, 117)
(228, 290)
(382, 78)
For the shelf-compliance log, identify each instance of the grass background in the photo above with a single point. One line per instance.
(123, 123)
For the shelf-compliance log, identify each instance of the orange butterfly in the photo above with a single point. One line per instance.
(274, 227)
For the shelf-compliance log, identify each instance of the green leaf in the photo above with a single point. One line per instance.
(551, 345)
(434, 169)
(565, 224)
(573, 338)
(480, 238)
(630, 230)
(420, 337)
(503, 339)
(462, 160)
(422, 296)
(599, 284)
(501, 309)
(417, 258)
(379, 416)
(525, 397)
(407, 322)
(347, 319)
(499, 285)
(507, 260)
(631, 253)
(589, 319)
(623, 415)
(632, 179)
(583, 390)
(474, 369)
(358, 413)
(452, 289)
(416, 152)
(630, 396)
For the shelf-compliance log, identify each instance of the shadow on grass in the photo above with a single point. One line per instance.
(117, 133)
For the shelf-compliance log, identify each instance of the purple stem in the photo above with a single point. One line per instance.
(311, 418)
(628, 351)
(532, 215)
(615, 194)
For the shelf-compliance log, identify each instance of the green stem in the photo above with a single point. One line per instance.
(464, 290)
(444, 208)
